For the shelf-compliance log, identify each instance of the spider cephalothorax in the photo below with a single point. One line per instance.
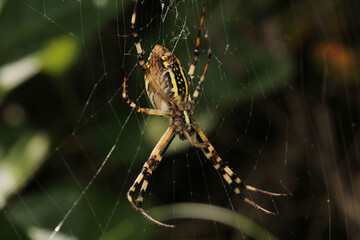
(167, 87)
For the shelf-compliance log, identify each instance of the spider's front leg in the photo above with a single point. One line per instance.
(197, 46)
(139, 50)
(200, 83)
(147, 170)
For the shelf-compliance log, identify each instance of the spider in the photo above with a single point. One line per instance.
(167, 87)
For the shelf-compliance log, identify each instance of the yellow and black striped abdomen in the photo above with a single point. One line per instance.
(168, 83)
(175, 76)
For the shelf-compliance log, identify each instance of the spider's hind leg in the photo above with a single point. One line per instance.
(229, 175)
(146, 172)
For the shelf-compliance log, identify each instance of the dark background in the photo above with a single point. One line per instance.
(281, 104)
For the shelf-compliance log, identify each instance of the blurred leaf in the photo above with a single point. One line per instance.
(213, 213)
(45, 36)
(20, 162)
(36, 233)
(128, 228)
(36, 22)
(8, 229)
(15, 73)
(86, 221)
(59, 55)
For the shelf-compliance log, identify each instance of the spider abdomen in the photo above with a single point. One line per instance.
(167, 84)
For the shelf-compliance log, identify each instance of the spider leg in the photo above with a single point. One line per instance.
(139, 50)
(193, 141)
(147, 170)
(199, 85)
(142, 63)
(196, 51)
(133, 105)
(230, 177)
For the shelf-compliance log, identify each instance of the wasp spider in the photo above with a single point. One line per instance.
(167, 87)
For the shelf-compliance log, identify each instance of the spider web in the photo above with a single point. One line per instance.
(280, 104)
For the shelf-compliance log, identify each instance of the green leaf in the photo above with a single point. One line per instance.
(19, 163)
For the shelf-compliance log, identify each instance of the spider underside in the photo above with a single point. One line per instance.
(167, 87)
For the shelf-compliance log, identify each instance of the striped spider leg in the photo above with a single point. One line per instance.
(146, 172)
(229, 175)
